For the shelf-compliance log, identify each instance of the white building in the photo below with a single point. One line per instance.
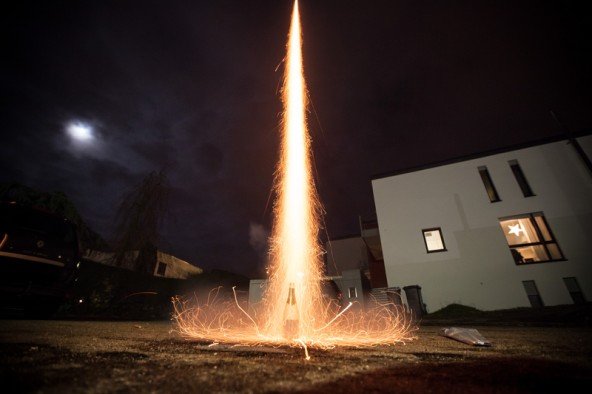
(503, 230)
(346, 253)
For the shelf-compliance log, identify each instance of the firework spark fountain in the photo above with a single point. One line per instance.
(293, 310)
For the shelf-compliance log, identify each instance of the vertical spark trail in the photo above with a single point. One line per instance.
(295, 251)
(293, 310)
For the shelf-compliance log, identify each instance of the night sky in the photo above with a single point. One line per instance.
(192, 88)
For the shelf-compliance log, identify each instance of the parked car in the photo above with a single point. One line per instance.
(39, 258)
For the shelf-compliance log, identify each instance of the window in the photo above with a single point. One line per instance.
(530, 239)
(532, 293)
(161, 268)
(433, 240)
(574, 290)
(352, 292)
(488, 183)
(520, 178)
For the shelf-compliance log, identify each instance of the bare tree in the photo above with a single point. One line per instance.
(138, 220)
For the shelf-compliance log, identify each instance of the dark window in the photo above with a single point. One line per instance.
(433, 240)
(488, 183)
(161, 268)
(521, 179)
(574, 290)
(530, 239)
(533, 294)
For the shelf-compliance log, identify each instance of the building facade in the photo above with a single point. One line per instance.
(496, 231)
(345, 253)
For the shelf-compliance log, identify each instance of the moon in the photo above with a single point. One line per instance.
(80, 131)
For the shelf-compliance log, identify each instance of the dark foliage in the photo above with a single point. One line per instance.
(105, 292)
(55, 202)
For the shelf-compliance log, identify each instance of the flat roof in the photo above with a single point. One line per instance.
(459, 159)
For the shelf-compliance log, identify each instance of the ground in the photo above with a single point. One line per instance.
(544, 350)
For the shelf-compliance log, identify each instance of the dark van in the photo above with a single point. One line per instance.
(39, 258)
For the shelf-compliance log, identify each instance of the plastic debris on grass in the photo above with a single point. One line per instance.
(469, 336)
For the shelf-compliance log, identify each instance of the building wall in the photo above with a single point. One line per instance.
(478, 268)
(169, 266)
(346, 254)
(351, 284)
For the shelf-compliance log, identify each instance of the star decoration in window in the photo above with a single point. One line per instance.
(516, 229)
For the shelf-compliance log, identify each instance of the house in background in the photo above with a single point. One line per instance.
(508, 229)
(351, 265)
(344, 254)
(162, 264)
(356, 265)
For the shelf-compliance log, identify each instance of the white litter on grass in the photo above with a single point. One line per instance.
(469, 336)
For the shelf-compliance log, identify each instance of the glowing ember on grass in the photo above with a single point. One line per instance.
(293, 311)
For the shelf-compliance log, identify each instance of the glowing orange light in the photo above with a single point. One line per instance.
(295, 254)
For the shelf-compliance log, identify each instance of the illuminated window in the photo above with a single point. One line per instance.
(530, 239)
(433, 240)
(520, 178)
(488, 183)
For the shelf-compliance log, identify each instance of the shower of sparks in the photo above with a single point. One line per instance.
(295, 255)
(295, 258)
